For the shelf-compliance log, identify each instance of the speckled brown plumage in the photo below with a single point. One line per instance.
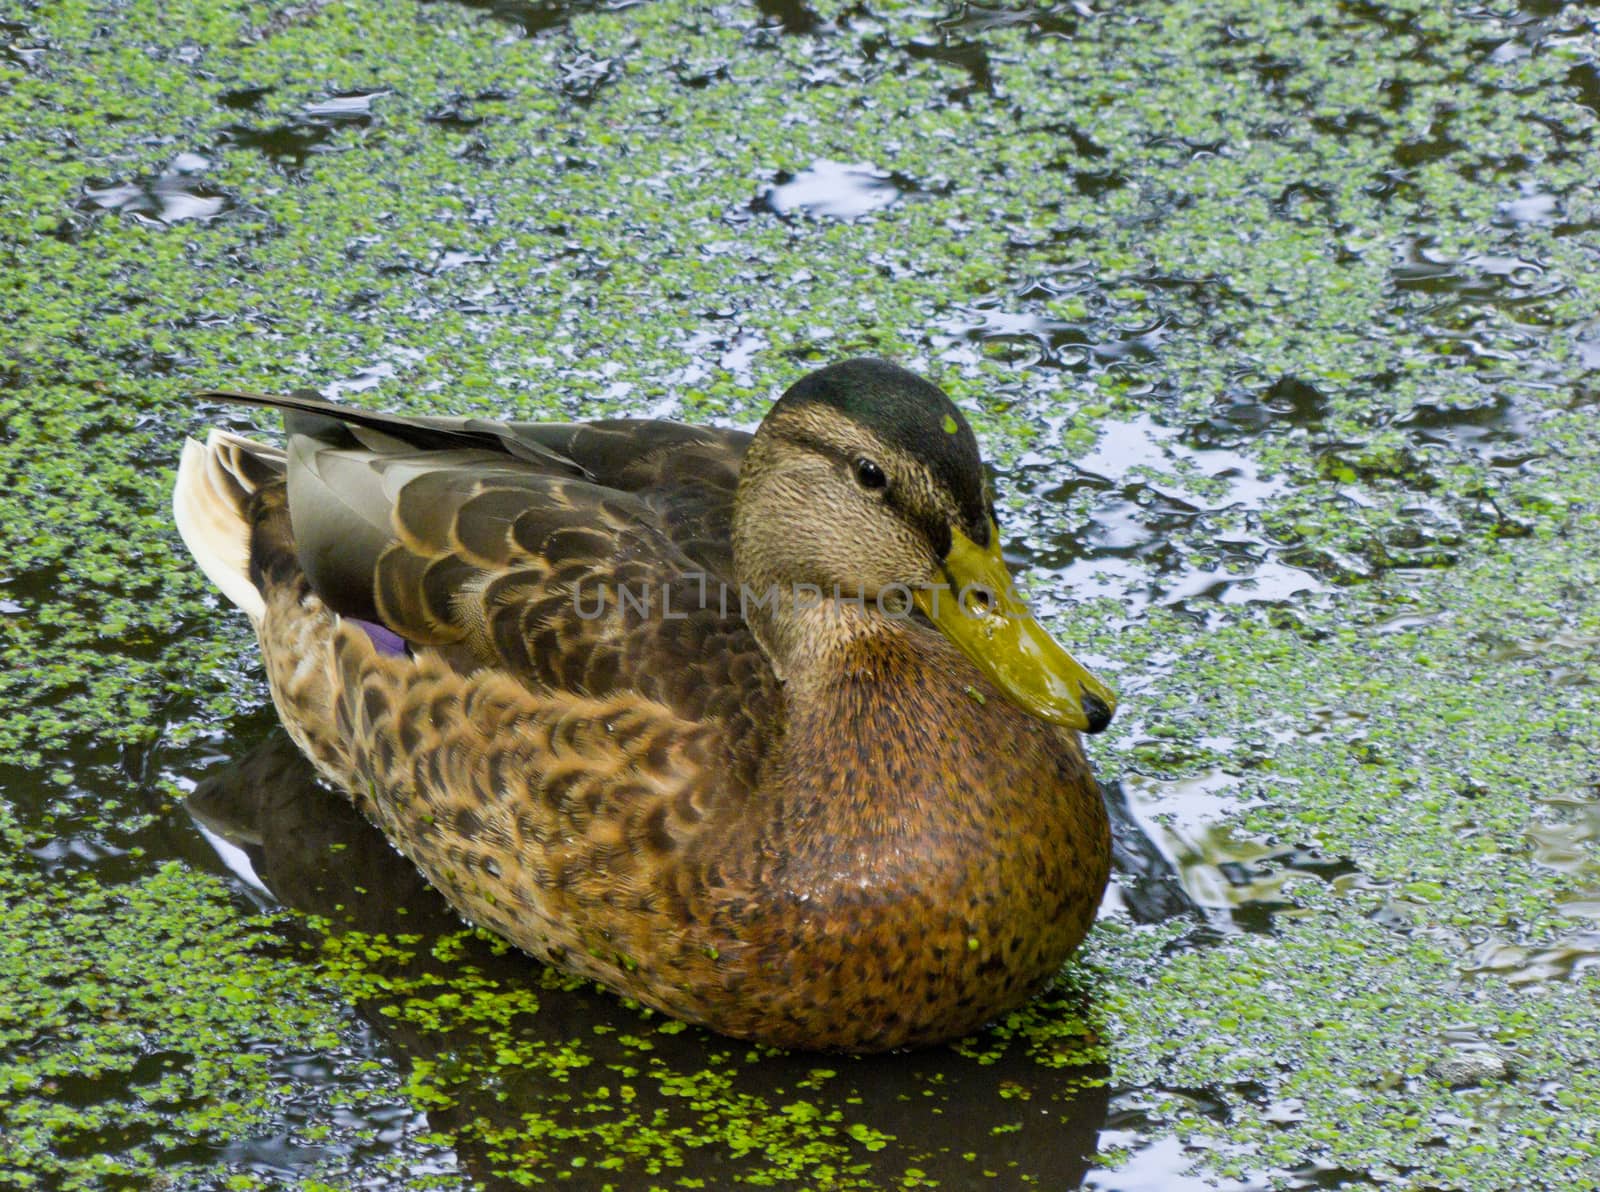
(876, 849)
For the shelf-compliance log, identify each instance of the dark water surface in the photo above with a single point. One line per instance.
(1279, 328)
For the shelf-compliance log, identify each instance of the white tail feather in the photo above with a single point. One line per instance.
(206, 506)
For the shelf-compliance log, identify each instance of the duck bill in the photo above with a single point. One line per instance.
(979, 610)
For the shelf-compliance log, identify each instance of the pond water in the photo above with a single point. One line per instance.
(1278, 327)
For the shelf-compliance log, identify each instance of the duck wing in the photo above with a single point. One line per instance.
(688, 475)
(585, 557)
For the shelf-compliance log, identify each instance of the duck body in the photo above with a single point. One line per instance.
(563, 669)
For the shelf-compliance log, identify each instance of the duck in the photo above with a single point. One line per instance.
(755, 729)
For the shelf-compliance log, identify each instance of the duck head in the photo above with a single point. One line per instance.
(864, 485)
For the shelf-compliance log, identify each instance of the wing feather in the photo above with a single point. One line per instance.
(584, 557)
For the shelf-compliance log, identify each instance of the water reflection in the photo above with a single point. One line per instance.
(1162, 1166)
(176, 195)
(1230, 880)
(530, 18)
(833, 190)
(1146, 517)
(1564, 840)
(313, 130)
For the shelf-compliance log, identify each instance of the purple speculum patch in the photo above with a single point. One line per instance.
(385, 639)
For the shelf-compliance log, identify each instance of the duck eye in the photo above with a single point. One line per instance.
(869, 474)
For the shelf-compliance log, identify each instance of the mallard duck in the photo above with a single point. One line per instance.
(754, 729)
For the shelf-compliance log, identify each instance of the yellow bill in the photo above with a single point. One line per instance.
(982, 614)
